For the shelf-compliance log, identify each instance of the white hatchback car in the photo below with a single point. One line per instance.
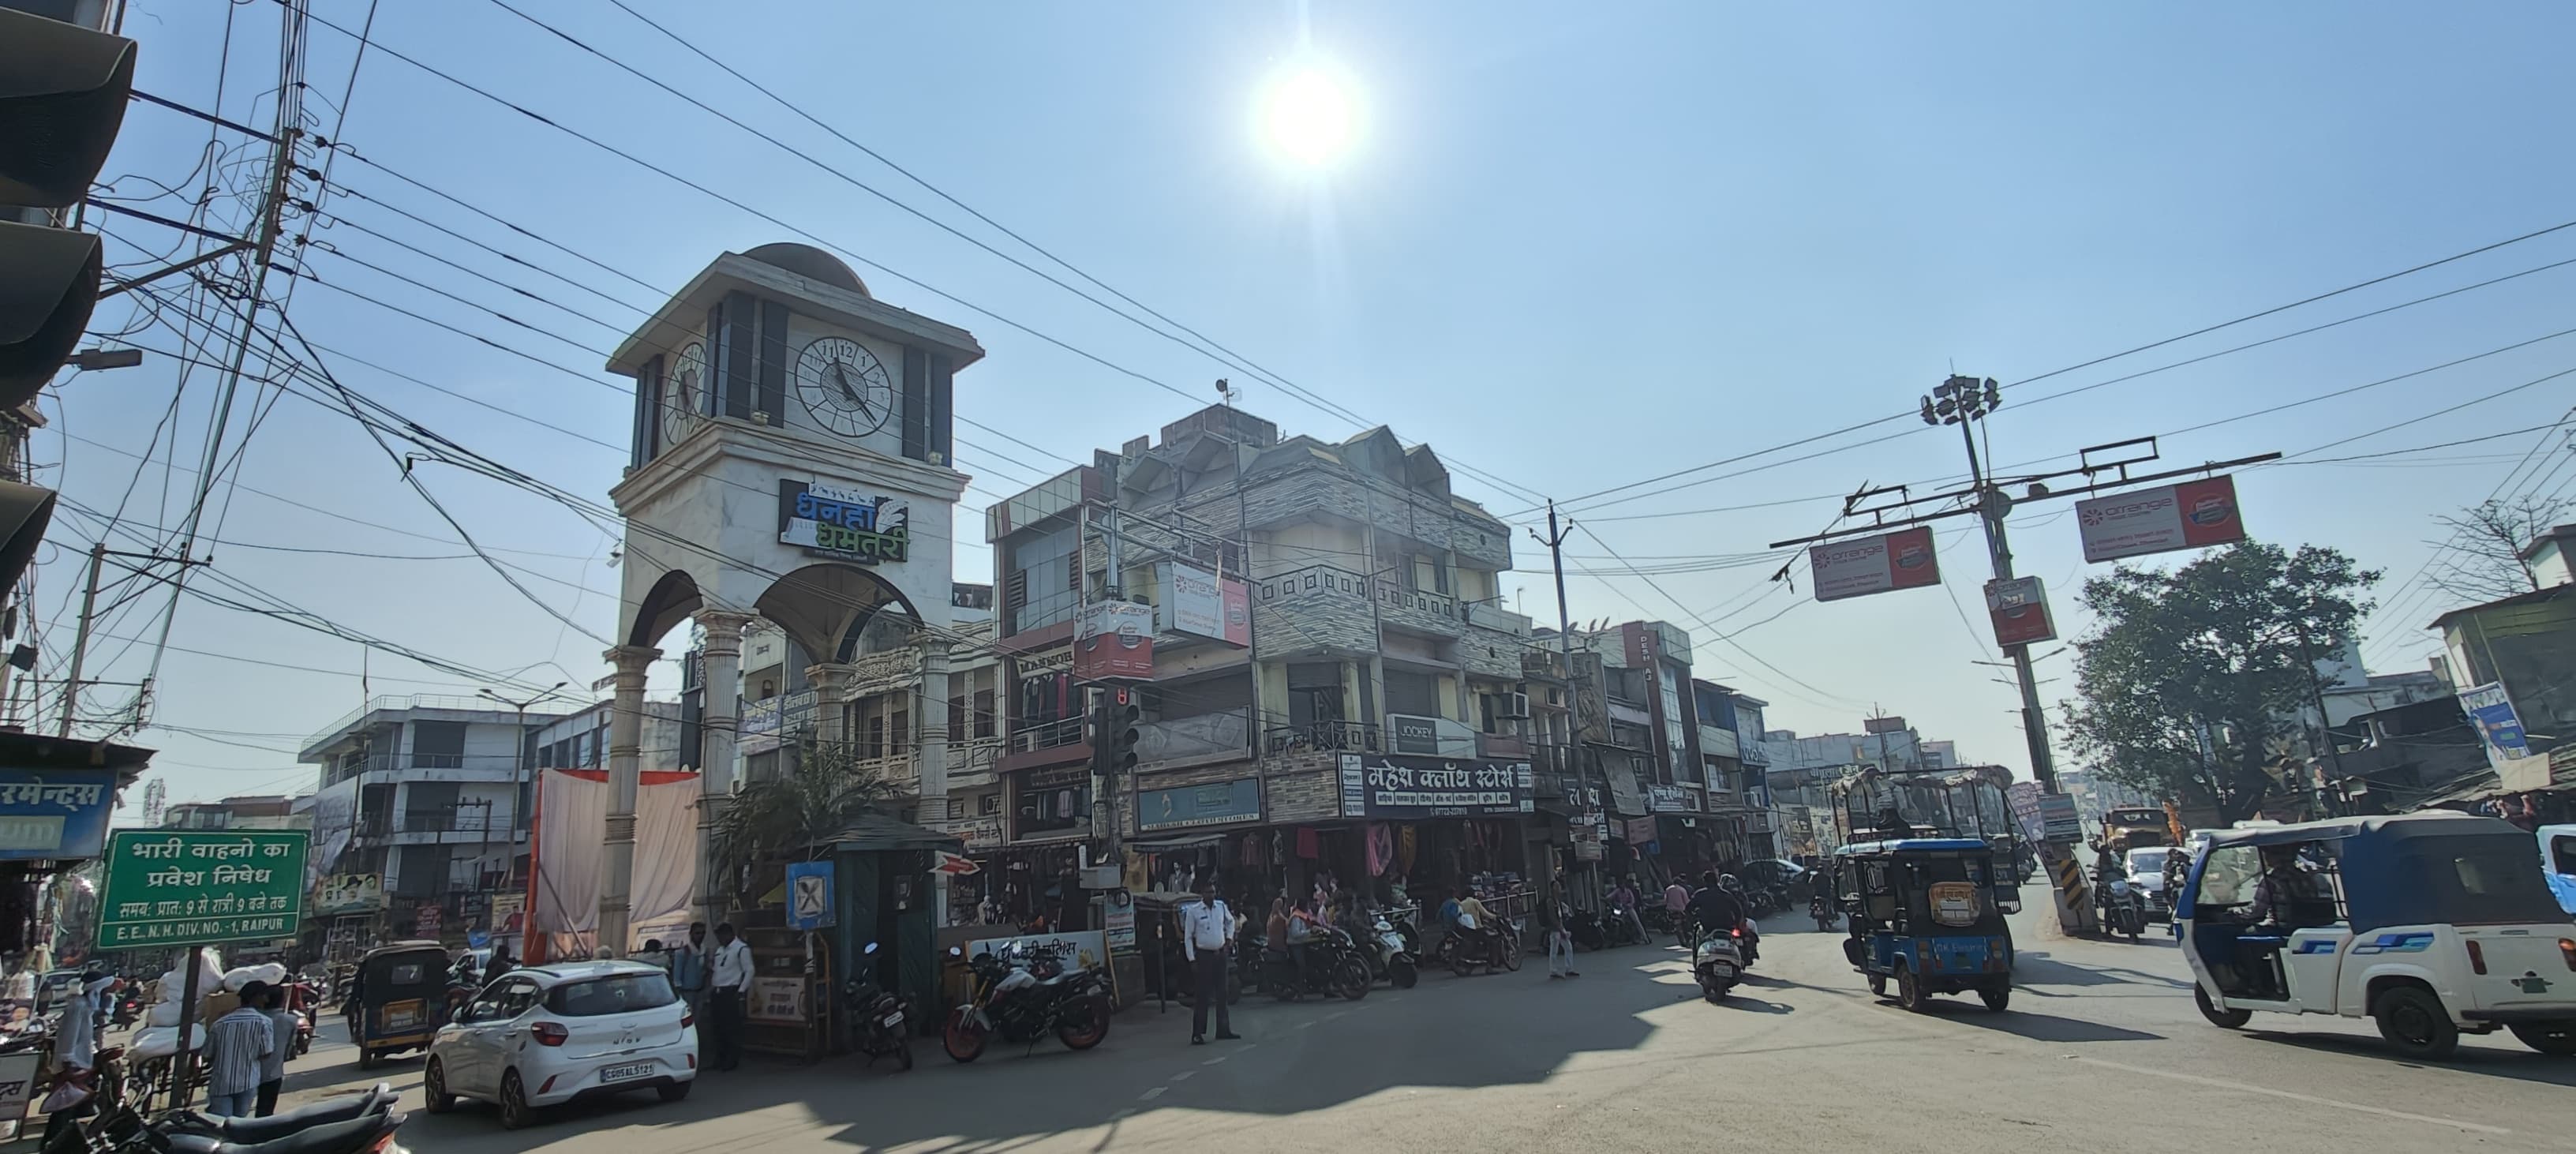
(544, 1035)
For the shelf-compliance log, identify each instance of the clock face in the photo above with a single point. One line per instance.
(844, 385)
(684, 394)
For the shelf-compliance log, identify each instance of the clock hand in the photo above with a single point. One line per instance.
(842, 379)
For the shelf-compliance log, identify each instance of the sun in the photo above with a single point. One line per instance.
(1310, 116)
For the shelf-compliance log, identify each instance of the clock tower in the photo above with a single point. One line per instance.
(791, 462)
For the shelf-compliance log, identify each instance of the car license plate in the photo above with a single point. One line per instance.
(627, 1072)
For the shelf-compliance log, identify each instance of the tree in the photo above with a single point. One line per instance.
(2482, 558)
(794, 814)
(2191, 681)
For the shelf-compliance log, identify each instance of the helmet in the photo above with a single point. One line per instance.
(1729, 883)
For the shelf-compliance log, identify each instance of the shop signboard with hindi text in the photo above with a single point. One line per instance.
(2188, 515)
(1859, 566)
(200, 887)
(844, 524)
(1386, 787)
(54, 814)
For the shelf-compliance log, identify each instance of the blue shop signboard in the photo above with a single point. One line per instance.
(1217, 803)
(54, 814)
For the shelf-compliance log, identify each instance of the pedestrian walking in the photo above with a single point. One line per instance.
(237, 1049)
(1560, 942)
(688, 965)
(729, 982)
(282, 1023)
(1207, 938)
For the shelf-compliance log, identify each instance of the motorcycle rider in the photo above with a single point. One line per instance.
(1752, 931)
(1473, 920)
(1623, 901)
(1714, 907)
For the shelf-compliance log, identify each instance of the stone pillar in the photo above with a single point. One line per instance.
(625, 736)
(831, 684)
(718, 722)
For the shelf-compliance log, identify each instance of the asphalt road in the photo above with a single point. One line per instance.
(2101, 1050)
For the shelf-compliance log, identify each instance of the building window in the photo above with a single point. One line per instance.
(899, 733)
(983, 714)
(1417, 694)
(1043, 586)
(438, 744)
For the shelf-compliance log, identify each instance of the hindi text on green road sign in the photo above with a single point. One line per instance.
(198, 887)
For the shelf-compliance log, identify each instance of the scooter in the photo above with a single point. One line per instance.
(1392, 954)
(1717, 963)
(877, 1020)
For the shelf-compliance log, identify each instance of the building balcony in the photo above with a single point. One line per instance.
(1502, 746)
(1042, 743)
(1716, 742)
(887, 672)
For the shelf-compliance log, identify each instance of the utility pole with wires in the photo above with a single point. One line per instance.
(98, 555)
(1966, 401)
(1555, 542)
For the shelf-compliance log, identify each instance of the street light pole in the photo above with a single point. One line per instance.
(1963, 401)
(522, 792)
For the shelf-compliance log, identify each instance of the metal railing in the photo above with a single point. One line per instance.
(1031, 735)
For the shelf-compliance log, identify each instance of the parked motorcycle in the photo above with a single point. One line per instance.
(1589, 930)
(349, 1124)
(1013, 1000)
(1718, 962)
(877, 1020)
(1388, 954)
(1334, 966)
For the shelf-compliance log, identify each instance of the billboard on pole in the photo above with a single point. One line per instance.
(2188, 515)
(1860, 566)
(1114, 639)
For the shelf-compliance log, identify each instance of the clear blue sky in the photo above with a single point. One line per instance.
(1574, 247)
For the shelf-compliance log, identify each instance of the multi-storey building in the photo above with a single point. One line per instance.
(428, 795)
(1333, 685)
(245, 811)
(870, 700)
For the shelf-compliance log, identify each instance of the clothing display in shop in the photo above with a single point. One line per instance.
(1381, 848)
(1405, 849)
(1307, 843)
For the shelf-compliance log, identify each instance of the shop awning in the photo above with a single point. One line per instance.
(873, 832)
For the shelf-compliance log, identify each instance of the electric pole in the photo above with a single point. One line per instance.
(1960, 401)
(1555, 542)
(80, 639)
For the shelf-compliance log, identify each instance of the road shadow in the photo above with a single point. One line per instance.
(2036, 1027)
(2037, 967)
(1737, 1001)
(2489, 1061)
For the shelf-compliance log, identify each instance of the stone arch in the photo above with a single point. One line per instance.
(825, 605)
(672, 599)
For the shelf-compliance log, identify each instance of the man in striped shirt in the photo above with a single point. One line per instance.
(237, 1049)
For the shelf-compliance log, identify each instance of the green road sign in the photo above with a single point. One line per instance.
(198, 887)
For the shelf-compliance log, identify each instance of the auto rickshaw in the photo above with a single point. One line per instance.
(394, 999)
(2431, 924)
(1923, 916)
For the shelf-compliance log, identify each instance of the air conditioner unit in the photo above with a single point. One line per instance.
(1516, 706)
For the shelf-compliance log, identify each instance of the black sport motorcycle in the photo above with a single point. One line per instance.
(1023, 993)
(877, 1020)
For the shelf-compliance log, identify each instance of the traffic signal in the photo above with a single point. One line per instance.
(63, 92)
(1114, 733)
